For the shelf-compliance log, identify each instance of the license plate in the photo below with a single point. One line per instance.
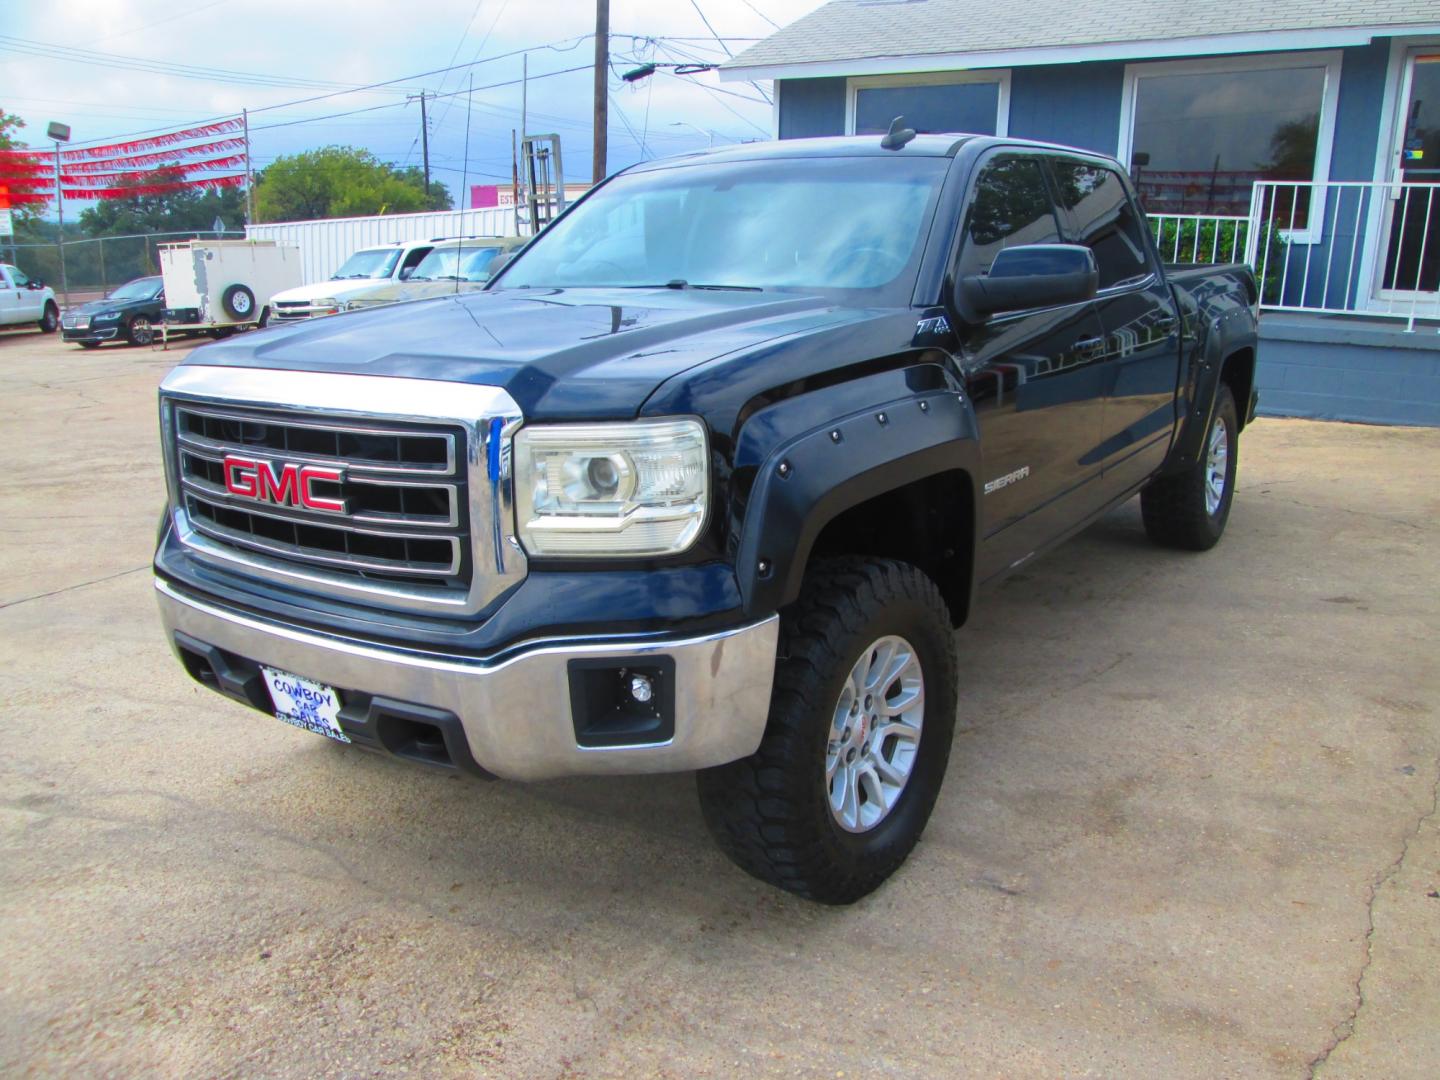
(305, 703)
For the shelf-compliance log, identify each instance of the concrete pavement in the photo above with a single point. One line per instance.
(1189, 827)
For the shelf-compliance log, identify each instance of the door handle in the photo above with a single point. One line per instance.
(1166, 325)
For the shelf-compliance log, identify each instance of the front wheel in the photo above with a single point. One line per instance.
(1189, 509)
(50, 319)
(861, 719)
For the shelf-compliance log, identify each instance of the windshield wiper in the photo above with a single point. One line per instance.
(681, 283)
(678, 284)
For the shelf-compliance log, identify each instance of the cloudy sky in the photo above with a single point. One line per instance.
(265, 53)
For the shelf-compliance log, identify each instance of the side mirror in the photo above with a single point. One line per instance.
(1030, 276)
(35, 283)
(405, 272)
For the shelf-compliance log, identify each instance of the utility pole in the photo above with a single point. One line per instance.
(249, 174)
(60, 227)
(602, 94)
(424, 143)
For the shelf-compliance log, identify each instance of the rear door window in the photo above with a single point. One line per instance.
(1104, 220)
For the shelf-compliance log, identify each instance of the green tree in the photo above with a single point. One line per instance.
(192, 210)
(9, 127)
(341, 181)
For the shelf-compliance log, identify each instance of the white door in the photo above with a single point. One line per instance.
(1408, 260)
(30, 302)
(10, 311)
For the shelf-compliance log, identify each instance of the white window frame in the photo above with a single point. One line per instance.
(1325, 137)
(999, 76)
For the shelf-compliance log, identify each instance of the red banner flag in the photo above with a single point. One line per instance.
(153, 142)
(125, 192)
(136, 162)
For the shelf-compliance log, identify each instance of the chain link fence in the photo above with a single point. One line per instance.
(91, 267)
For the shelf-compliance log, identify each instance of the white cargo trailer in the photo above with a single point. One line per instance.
(224, 285)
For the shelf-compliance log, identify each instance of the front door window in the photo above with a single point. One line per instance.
(1412, 261)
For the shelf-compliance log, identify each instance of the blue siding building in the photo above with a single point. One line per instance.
(1304, 137)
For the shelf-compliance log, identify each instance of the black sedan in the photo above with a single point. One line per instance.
(130, 313)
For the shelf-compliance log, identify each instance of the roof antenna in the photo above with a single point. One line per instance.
(898, 135)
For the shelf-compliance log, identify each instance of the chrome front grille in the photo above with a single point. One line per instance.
(404, 507)
(402, 488)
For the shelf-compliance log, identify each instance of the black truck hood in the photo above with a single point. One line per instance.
(561, 354)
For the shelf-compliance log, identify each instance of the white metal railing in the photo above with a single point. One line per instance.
(1200, 238)
(1347, 247)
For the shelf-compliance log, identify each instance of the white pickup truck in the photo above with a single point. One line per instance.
(366, 268)
(24, 299)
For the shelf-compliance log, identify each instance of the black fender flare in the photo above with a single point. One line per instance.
(805, 482)
(1223, 336)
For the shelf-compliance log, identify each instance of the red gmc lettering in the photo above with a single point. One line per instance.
(293, 485)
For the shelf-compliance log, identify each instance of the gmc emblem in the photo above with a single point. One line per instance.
(287, 484)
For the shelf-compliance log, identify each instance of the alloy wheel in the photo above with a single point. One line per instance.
(1217, 461)
(875, 735)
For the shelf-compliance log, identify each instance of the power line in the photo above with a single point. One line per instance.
(393, 104)
(696, 5)
(475, 56)
(762, 15)
(90, 57)
(157, 22)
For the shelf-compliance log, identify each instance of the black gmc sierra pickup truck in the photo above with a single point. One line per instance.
(705, 479)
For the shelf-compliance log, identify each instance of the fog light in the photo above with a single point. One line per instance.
(641, 689)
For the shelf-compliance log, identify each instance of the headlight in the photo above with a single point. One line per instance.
(626, 489)
(106, 316)
(328, 303)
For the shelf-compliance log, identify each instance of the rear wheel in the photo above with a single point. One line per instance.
(50, 319)
(858, 739)
(1189, 509)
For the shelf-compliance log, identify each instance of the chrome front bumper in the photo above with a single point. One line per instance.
(516, 713)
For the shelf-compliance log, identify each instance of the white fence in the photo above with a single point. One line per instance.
(1200, 238)
(327, 243)
(1347, 247)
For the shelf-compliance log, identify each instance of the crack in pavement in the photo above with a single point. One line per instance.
(1346, 510)
(72, 588)
(1346, 1027)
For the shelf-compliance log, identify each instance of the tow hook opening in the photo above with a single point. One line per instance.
(413, 739)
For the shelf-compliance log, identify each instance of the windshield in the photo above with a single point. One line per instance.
(368, 264)
(139, 289)
(816, 223)
(456, 264)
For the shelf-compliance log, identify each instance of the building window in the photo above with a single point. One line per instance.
(961, 102)
(1200, 133)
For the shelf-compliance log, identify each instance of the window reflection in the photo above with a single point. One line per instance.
(1011, 207)
(1202, 140)
(1096, 198)
(932, 109)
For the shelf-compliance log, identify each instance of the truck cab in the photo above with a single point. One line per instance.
(24, 299)
(384, 264)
